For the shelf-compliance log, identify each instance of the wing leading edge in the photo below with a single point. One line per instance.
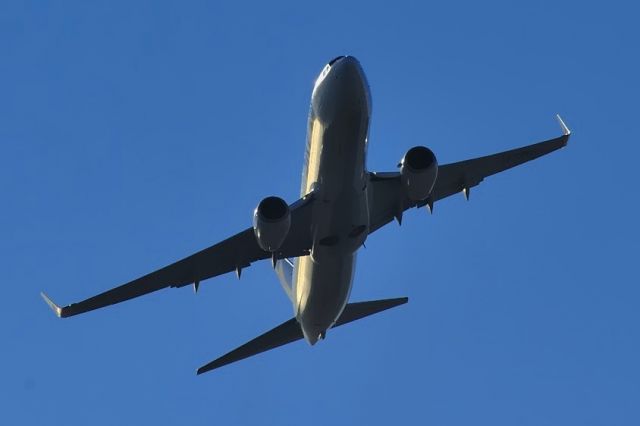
(388, 199)
(232, 254)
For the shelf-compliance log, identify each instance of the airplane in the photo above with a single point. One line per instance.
(313, 242)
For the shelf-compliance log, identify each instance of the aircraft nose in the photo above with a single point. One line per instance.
(341, 86)
(345, 65)
(336, 59)
(347, 75)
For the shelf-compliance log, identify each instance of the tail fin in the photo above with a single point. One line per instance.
(290, 331)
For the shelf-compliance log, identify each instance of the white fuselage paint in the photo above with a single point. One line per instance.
(335, 172)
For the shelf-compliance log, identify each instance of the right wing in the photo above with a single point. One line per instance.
(232, 254)
(388, 199)
(463, 175)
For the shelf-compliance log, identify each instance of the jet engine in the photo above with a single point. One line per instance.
(271, 222)
(418, 172)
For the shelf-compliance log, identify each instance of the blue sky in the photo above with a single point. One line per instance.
(135, 133)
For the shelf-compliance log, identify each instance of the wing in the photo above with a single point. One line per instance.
(232, 254)
(387, 199)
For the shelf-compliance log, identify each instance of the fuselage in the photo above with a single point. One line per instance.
(335, 172)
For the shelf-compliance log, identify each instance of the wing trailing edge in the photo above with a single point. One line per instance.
(290, 331)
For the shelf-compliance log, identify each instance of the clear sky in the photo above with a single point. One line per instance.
(135, 133)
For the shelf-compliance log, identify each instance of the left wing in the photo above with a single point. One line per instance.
(387, 199)
(232, 254)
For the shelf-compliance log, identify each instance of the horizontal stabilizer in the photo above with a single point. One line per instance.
(286, 332)
(355, 311)
(290, 331)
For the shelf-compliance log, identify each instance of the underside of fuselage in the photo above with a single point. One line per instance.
(335, 173)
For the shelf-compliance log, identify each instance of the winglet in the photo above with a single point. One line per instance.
(55, 308)
(565, 129)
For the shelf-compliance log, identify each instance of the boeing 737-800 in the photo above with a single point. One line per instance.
(313, 242)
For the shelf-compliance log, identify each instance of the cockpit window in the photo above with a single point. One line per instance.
(334, 60)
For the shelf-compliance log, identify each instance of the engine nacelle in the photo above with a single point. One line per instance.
(419, 171)
(271, 222)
